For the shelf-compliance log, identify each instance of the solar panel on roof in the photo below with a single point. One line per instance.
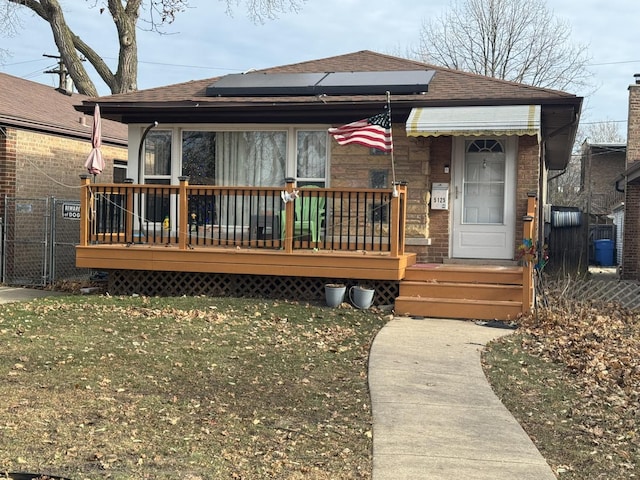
(328, 83)
(397, 82)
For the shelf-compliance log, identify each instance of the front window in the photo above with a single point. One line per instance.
(251, 158)
(157, 171)
(157, 154)
(236, 158)
(244, 158)
(311, 157)
(198, 157)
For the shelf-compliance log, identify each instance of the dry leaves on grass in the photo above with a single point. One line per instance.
(593, 397)
(599, 343)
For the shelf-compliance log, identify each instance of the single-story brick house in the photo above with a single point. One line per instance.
(470, 157)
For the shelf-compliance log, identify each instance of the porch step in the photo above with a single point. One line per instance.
(461, 291)
(455, 308)
(505, 275)
(486, 292)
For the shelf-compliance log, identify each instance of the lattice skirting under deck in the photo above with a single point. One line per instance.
(155, 283)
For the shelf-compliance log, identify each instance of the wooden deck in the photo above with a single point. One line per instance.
(300, 263)
(359, 236)
(346, 233)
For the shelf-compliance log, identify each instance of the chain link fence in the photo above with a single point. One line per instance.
(39, 236)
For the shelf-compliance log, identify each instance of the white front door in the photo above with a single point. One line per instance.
(483, 210)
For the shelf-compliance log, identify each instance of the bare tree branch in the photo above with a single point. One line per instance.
(516, 40)
(9, 25)
(126, 15)
(261, 10)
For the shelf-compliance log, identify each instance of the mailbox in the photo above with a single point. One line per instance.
(440, 196)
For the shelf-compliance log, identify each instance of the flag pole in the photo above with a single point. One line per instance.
(393, 163)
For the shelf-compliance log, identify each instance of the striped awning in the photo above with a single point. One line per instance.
(474, 121)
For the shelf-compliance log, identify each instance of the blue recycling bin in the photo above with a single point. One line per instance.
(604, 252)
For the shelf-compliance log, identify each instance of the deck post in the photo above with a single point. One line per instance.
(128, 219)
(402, 217)
(398, 217)
(289, 215)
(528, 290)
(85, 204)
(183, 213)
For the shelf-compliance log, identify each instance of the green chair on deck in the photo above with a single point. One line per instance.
(309, 215)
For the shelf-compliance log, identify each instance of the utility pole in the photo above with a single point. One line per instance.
(64, 83)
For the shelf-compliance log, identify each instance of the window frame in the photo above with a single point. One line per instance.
(291, 147)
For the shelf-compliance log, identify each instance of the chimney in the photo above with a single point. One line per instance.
(633, 124)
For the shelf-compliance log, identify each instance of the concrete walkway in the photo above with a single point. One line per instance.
(435, 415)
(19, 294)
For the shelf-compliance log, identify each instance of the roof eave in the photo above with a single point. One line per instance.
(331, 109)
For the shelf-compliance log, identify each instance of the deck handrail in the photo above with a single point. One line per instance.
(529, 233)
(189, 216)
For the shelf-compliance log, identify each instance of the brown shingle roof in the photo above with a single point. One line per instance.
(188, 102)
(447, 87)
(30, 105)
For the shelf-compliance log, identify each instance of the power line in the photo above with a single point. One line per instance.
(177, 65)
(603, 121)
(612, 63)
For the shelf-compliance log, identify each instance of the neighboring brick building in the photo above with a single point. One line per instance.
(44, 141)
(631, 181)
(601, 165)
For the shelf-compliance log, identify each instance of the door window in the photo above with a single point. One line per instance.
(484, 182)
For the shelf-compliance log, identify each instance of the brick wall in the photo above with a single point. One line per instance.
(633, 125)
(50, 165)
(441, 151)
(528, 173)
(631, 241)
(606, 167)
(421, 161)
(351, 167)
(7, 163)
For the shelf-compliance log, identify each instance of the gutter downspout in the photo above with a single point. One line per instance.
(140, 165)
(589, 193)
(558, 175)
(542, 154)
(542, 167)
(144, 136)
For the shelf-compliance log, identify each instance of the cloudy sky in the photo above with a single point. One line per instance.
(204, 42)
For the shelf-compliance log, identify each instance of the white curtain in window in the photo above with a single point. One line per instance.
(254, 159)
(157, 153)
(312, 154)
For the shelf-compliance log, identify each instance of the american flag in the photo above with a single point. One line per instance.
(374, 132)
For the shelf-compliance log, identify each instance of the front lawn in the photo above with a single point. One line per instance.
(185, 388)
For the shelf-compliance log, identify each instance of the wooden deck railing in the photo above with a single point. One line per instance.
(190, 216)
(529, 233)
